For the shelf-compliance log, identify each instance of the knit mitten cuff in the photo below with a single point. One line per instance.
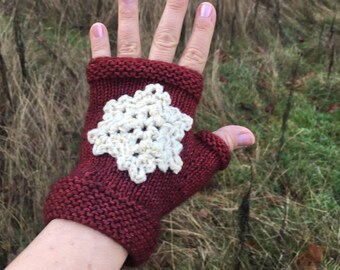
(126, 74)
(85, 201)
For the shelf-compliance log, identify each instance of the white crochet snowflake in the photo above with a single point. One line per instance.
(142, 132)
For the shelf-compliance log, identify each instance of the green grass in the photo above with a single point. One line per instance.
(310, 159)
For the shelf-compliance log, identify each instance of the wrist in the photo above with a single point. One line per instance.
(72, 246)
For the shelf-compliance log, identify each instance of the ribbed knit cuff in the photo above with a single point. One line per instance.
(135, 69)
(92, 204)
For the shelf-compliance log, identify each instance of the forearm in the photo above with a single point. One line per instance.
(69, 245)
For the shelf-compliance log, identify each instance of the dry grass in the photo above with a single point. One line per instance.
(294, 201)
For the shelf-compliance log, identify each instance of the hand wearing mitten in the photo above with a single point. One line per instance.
(139, 156)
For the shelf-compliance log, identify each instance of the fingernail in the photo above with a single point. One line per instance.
(98, 30)
(128, 2)
(206, 10)
(245, 139)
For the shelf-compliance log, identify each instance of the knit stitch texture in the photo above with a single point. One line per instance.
(97, 194)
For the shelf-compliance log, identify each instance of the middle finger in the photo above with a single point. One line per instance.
(168, 32)
(128, 43)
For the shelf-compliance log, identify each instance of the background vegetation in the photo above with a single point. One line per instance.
(274, 68)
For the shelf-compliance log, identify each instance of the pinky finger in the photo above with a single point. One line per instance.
(99, 38)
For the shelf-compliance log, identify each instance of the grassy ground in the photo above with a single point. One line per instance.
(274, 68)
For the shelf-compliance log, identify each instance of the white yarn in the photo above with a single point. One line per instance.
(142, 132)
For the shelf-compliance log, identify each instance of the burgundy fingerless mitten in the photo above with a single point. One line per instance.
(139, 157)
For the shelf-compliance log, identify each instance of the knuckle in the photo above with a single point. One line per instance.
(165, 40)
(203, 25)
(177, 4)
(99, 47)
(128, 49)
(127, 14)
(230, 142)
(195, 56)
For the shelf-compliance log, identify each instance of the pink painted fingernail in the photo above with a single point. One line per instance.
(245, 139)
(206, 9)
(98, 30)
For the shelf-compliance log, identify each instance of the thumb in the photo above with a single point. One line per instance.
(235, 136)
